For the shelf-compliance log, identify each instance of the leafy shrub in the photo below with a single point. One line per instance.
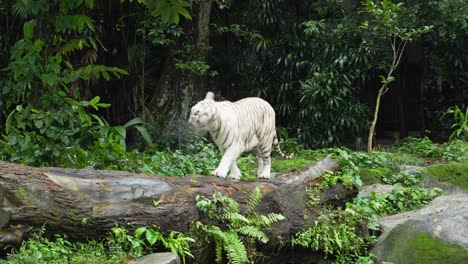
(419, 146)
(148, 240)
(197, 158)
(349, 173)
(44, 137)
(404, 178)
(38, 249)
(237, 232)
(455, 151)
(117, 247)
(334, 234)
(330, 113)
(460, 123)
(399, 200)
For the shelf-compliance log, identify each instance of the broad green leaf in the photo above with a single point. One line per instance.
(122, 131)
(8, 122)
(90, 3)
(95, 100)
(144, 133)
(140, 231)
(99, 120)
(152, 236)
(134, 121)
(71, 101)
(103, 105)
(28, 29)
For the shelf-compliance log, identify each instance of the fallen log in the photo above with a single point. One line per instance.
(86, 203)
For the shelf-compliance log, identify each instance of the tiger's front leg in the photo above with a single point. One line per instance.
(234, 172)
(230, 156)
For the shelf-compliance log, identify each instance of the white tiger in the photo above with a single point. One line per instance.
(248, 124)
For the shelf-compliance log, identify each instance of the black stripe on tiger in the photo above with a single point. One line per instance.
(278, 149)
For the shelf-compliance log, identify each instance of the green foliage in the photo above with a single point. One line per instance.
(39, 249)
(455, 151)
(386, 19)
(454, 173)
(460, 123)
(40, 137)
(399, 200)
(117, 247)
(396, 159)
(331, 113)
(423, 147)
(147, 240)
(61, 137)
(199, 157)
(238, 232)
(168, 10)
(405, 178)
(46, 124)
(372, 176)
(335, 234)
(188, 60)
(349, 173)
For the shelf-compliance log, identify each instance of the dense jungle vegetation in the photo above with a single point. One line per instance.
(109, 85)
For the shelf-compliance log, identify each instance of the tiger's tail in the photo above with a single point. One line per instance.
(278, 149)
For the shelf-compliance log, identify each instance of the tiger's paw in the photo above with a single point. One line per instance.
(234, 176)
(264, 176)
(218, 173)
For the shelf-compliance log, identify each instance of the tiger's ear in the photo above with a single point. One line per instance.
(209, 96)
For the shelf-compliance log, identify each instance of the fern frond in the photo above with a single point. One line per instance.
(253, 232)
(259, 220)
(235, 217)
(216, 232)
(254, 200)
(219, 250)
(275, 217)
(235, 249)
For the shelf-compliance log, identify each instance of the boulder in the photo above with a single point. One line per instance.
(157, 258)
(377, 188)
(435, 234)
(452, 177)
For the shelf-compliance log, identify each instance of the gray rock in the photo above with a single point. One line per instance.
(377, 188)
(430, 181)
(435, 234)
(411, 169)
(157, 258)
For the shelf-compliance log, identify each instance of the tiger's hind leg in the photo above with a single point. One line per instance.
(264, 163)
(260, 164)
(235, 173)
(265, 173)
(264, 159)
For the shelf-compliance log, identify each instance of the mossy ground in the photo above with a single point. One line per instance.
(396, 159)
(415, 247)
(371, 176)
(302, 159)
(454, 173)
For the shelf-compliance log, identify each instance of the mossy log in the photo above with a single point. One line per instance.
(86, 203)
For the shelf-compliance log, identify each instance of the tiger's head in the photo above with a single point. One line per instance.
(203, 113)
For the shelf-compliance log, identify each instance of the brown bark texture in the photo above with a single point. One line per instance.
(177, 90)
(86, 203)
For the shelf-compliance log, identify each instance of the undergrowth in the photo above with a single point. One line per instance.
(117, 247)
(235, 234)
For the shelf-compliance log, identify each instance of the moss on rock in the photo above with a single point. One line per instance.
(454, 173)
(405, 245)
(371, 176)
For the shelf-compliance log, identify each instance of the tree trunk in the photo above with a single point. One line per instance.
(83, 203)
(177, 90)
